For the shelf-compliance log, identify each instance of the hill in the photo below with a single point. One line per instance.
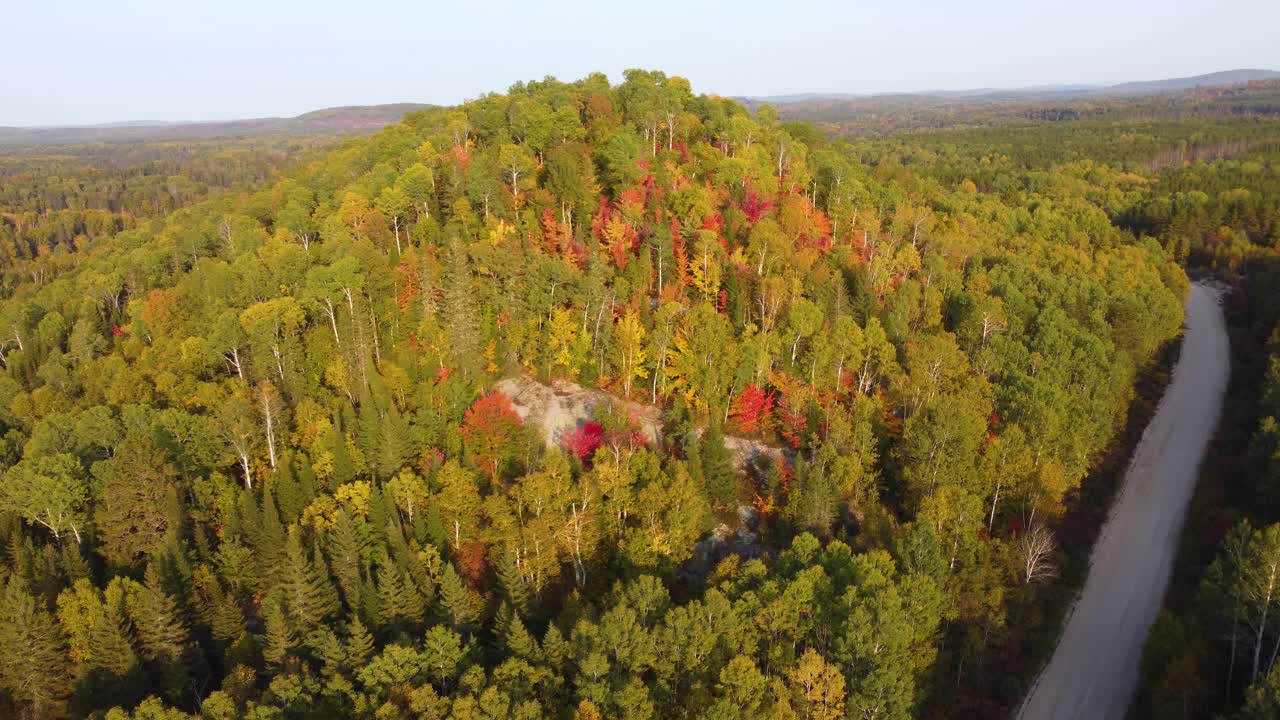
(1146, 87)
(258, 446)
(337, 120)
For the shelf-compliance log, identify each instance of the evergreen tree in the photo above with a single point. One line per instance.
(162, 635)
(305, 587)
(359, 643)
(346, 551)
(395, 445)
(33, 664)
(461, 316)
(718, 475)
(280, 638)
(108, 643)
(398, 600)
(460, 602)
(513, 587)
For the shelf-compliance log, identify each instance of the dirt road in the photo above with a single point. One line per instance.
(1094, 670)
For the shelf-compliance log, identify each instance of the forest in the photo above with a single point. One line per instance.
(256, 465)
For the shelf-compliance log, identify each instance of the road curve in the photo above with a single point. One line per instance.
(1094, 669)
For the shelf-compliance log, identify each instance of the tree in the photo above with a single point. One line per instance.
(818, 688)
(489, 428)
(134, 512)
(805, 318)
(270, 326)
(305, 587)
(718, 476)
(458, 502)
(516, 163)
(752, 410)
(33, 665)
(629, 350)
(1036, 548)
(583, 441)
(162, 632)
(394, 203)
(48, 491)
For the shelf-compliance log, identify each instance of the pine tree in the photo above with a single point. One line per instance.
(162, 635)
(398, 598)
(461, 317)
(33, 663)
(369, 435)
(461, 603)
(280, 638)
(359, 643)
(346, 550)
(395, 446)
(270, 548)
(305, 587)
(216, 608)
(513, 587)
(519, 643)
(718, 475)
(109, 647)
(325, 646)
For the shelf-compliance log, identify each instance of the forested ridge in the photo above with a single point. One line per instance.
(254, 465)
(55, 201)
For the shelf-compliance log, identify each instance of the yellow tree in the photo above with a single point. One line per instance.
(629, 350)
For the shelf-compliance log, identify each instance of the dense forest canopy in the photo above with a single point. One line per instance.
(57, 200)
(255, 465)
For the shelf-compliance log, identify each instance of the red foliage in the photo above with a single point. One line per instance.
(614, 232)
(117, 331)
(679, 253)
(472, 563)
(583, 441)
(753, 409)
(460, 155)
(488, 428)
(442, 374)
(407, 281)
(754, 208)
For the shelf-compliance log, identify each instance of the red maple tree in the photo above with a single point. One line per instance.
(488, 428)
(583, 441)
(752, 410)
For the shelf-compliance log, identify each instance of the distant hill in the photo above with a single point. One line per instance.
(1226, 77)
(354, 119)
(1148, 87)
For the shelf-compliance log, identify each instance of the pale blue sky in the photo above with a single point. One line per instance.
(89, 61)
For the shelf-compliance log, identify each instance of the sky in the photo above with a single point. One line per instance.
(93, 61)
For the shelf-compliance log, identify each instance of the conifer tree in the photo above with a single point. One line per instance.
(395, 445)
(162, 635)
(305, 588)
(346, 550)
(398, 600)
(359, 643)
(269, 551)
(461, 603)
(33, 664)
(513, 587)
(718, 474)
(280, 638)
(109, 647)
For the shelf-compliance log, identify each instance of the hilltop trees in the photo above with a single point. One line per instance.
(254, 453)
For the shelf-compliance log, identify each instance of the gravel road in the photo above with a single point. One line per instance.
(1094, 669)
